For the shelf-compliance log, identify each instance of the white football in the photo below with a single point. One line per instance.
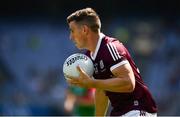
(71, 63)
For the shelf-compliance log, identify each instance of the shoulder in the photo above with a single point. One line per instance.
(110, 41)
(114, 46)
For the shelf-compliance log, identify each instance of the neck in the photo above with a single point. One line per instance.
(93, 40)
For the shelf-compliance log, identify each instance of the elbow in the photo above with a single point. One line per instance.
(131, 87)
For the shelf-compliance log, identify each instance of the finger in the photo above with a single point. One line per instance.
(80, 69)
(69, 77)
(71, 82)
(68, 80)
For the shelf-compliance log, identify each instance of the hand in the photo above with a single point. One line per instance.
(84, 80)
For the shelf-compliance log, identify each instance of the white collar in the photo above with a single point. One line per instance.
(93, 55)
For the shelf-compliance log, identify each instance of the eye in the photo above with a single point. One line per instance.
(71, 31)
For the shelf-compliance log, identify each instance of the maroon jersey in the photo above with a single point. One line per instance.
(110, 54)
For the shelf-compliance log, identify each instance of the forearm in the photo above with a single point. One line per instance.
(101, 103)
(123, 80)
(114, 85)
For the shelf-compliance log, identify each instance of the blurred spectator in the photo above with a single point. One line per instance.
(16, 104)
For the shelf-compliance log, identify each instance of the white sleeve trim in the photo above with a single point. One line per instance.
(118, 64)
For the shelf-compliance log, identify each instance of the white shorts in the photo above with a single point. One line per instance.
(138, 113)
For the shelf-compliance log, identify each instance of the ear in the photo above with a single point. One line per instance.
(85, 29)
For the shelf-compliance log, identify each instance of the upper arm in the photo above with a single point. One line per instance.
(124, 71)
(118, 62)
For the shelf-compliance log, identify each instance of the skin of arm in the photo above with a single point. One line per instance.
(123, 80)
(101, 103)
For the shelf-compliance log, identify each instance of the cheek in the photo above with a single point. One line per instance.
(78, 36)
(74, 35)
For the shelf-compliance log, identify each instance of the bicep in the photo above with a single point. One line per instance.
(125, 71)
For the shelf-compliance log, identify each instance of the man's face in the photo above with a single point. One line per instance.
(77, 34)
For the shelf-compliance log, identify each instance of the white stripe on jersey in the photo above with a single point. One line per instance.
(116, 50)
(119, 64)
(113, 50)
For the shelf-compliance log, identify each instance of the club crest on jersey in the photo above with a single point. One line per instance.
(99, 67)
(101, 64)
(96, 68)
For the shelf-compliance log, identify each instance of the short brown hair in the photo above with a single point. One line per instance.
(86, 16)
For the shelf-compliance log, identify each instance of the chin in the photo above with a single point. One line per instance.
(79, 47)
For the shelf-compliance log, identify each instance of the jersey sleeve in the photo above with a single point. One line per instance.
(117, 54)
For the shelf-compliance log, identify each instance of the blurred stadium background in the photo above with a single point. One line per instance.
(34, 42)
